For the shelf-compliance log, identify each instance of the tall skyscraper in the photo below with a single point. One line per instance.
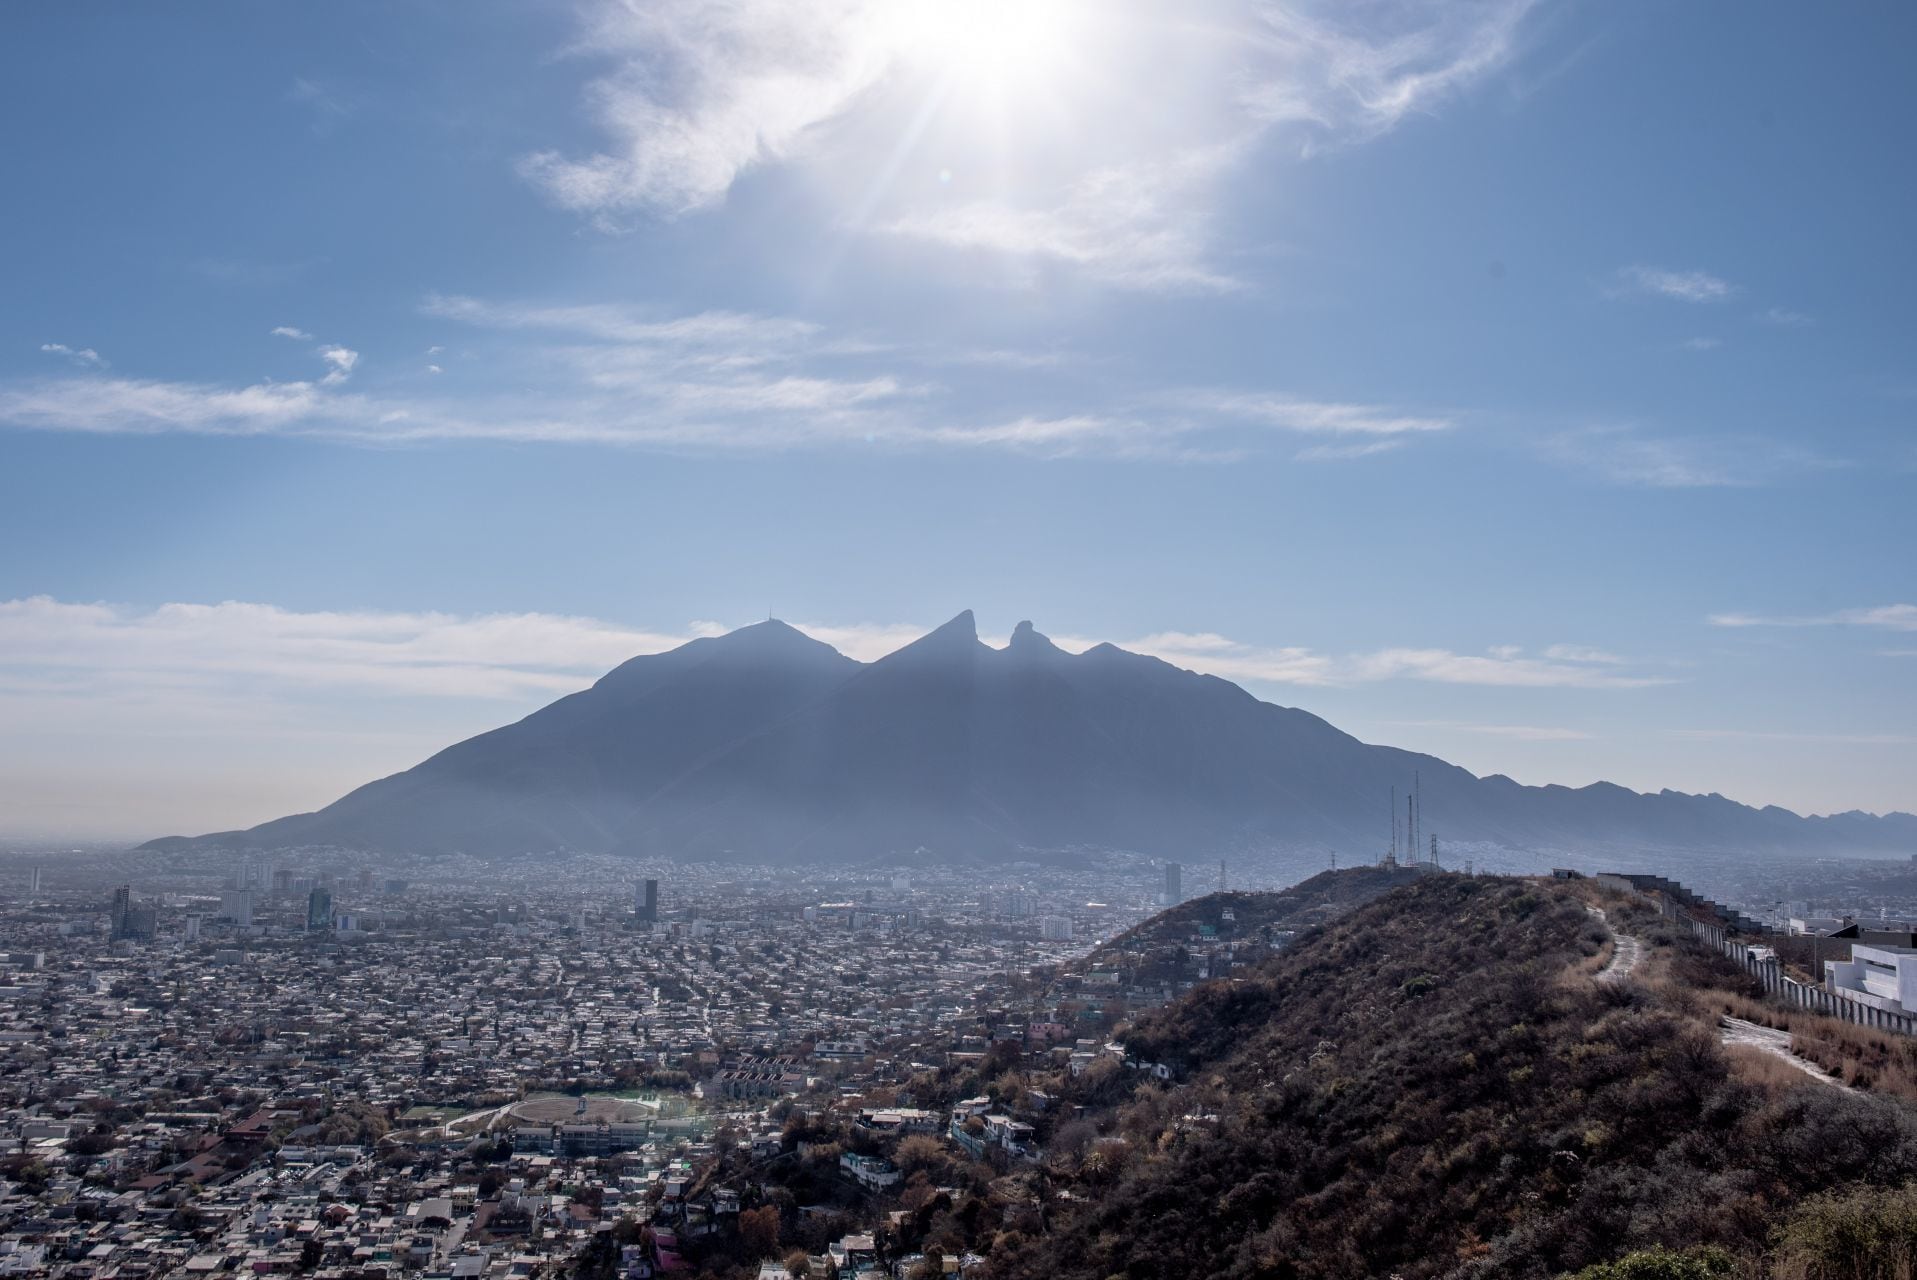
(645, 901)
(33, 881)
(1174, 884)
(319, 910)
(237, 905)
(122, 906)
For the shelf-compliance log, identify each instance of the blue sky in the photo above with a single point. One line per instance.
(1526, 383)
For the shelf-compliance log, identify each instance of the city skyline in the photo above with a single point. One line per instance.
(1522, 384)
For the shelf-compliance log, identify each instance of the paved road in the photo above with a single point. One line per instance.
(1777, 1044)
(1626, 951)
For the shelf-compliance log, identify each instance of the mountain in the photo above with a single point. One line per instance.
(767, 745)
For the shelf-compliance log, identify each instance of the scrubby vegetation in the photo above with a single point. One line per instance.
(1431, 1087)
(1316, 901)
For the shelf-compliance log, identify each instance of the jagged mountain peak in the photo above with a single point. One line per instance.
(765, 744)
(1028, 642)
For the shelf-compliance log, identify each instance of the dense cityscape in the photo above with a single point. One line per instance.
(308, 1066)
(432, 1067)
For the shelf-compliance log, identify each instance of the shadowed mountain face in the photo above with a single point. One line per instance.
(766, 745)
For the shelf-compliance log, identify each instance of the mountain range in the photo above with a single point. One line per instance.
(766, 745)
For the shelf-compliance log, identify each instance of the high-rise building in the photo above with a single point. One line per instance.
(122, 905)
(1174, 884)
(1055, 928)
(237, 905)
(33, 881)
(319, 910)
(645, 901)
(192, 928)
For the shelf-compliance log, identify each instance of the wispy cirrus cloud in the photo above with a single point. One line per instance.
(1582, 653)
(85, 357)
(1811, 737)
(1505, 666)
(327, 104)
(1131, 225)
(1630, 456)
(1513, 732)
(80, 646)
(75, 649)
(288, 331)
(1682, 286)
(340, 362)
(711, 381)
(1888, 617)
(1331, 69)
(693, 94)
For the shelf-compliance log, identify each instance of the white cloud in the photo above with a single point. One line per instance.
(328, 105)
(1889, 617)
(1346, 452)
(1624, 455)
(1514, 732)
(214, 647)
(732, 333)
(1317, 68)
(1319, 417)
(693, 94)
(1785, 318)
(1684, 286)
(1814, 738)
(713, 381)
(1582, 653)
(1132, 225)
(1701, 344)
(288, 331)
(866, 641)
(341, 361)
(1505, 666)
(704, 91)
(86, 357)
(111, 405)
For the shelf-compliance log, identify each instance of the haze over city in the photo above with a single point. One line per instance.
(1528, 385)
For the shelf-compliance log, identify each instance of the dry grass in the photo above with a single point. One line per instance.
(1859, 1056)
(1754, 1066)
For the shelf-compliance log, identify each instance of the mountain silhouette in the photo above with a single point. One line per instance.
(766, 745)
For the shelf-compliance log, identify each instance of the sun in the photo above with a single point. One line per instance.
(991, 46)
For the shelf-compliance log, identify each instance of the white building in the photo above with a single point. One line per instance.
(1883, 977)
(237, 905)
(1055, 928)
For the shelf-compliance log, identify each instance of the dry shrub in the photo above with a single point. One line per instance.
(1866, 1234)
(1755, 1066)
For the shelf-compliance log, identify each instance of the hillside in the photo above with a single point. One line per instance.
(1431, 1086)
(1246, 915)
(766, 745)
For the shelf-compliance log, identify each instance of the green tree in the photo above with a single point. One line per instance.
(1664, 1264)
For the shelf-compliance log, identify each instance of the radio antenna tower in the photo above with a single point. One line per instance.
(1417, 811)
(1391, 859)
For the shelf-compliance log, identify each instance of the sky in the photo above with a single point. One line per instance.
(1526, 383)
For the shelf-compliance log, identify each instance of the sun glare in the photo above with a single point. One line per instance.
(996, 45)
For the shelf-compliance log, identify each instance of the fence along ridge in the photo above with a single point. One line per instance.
(1769, 971)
